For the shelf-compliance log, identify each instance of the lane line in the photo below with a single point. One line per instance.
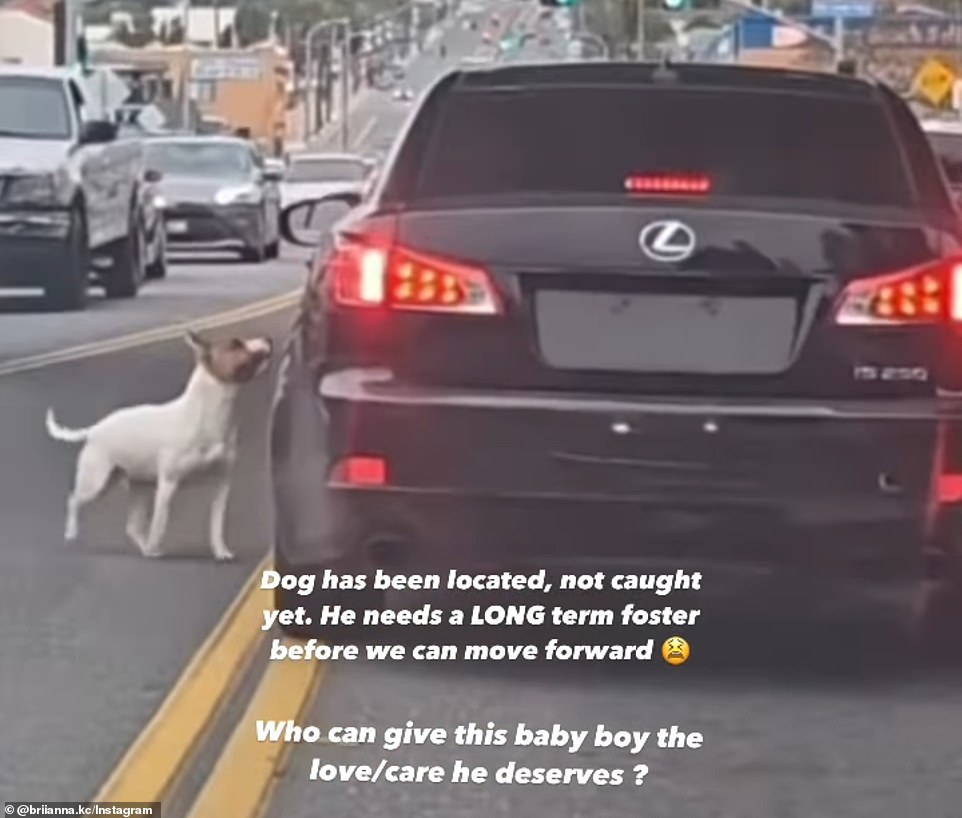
(158, 757)
(365, 132)
(245, 776)
(255, 309)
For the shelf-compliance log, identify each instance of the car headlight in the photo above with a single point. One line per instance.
(245, 194)
(40, 189)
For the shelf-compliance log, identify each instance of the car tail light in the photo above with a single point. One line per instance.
(927, 294)
(396, 278)
(668, 183)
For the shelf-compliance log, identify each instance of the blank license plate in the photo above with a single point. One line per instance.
(176, 227)
(665, 333)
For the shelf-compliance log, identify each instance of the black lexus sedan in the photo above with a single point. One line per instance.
(566, 326)
(217, 193)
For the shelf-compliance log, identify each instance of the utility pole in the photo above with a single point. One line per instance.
(312, 32)
(641, 29)
(71, 29)
(346, 65)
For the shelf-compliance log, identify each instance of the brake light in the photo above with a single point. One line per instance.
(668, 183)
(926, 294)
(397, 278)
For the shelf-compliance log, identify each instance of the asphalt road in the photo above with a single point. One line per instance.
(825, 724)
(92, 636)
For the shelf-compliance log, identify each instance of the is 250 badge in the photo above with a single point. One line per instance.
(891, 373)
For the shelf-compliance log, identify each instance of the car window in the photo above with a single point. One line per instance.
(326, 170)
(948, 148)
(34, 108)
(573, 140)
(201, 159)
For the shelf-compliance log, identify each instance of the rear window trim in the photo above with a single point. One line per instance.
(873, 99)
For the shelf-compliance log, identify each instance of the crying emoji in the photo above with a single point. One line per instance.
(675, 650)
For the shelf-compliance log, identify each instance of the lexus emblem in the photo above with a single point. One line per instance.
(667, 240)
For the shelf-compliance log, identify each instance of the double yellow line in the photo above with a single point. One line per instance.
(244, 775)
(246, 771)
(256, 309)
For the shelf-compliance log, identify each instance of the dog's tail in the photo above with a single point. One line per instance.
(58, 432)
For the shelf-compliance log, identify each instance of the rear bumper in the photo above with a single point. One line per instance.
(230, 227)
(556, 478)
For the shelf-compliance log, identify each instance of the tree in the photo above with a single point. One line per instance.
(251, 23)
(175, 32)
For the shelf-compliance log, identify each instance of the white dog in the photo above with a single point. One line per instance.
(156, 446)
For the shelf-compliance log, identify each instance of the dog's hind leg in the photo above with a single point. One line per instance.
(138, 514)
(163, 495)
(94, 470)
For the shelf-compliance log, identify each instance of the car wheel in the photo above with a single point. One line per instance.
(126, 272)
(939, 623)
(256, 251)
(67, 287)
(158, 267)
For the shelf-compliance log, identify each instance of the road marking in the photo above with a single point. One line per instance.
(244, 777)
(365, 133)
(120, 343)
(154, 763)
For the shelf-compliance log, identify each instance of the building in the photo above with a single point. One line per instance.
(247, 88)
(26, 32)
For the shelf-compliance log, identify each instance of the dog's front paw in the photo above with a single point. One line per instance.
(152, 554)
(223, 555)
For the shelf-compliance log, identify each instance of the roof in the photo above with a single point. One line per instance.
(202, 139)
(567, 74)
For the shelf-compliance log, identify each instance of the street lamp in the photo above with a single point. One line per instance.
(345, 24)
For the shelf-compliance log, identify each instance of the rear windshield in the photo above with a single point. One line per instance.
(589, 140)
(948, 148)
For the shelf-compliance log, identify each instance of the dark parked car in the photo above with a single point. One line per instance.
(217, 193)
(621, 311)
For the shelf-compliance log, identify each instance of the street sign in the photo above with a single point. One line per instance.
(934, 81)
(212, 68)
(846, 9)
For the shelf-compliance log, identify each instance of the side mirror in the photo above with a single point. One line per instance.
(304, 223)
(152, 175)
(98, 132)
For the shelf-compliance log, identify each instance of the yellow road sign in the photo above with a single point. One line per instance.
(934, 81)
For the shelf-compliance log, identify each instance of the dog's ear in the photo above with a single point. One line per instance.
(195, 342)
